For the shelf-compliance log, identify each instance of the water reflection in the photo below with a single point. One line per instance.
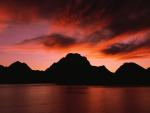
(75, 99)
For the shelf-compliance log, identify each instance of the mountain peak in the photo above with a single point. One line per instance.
(103, 67)
(131, 65)
(76, 57)
(130, 68)
(73, 55)
(71, 61)
(102, 70)
(17, 62)
(19, 65)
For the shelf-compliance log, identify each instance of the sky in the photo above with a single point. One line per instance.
(107, 32)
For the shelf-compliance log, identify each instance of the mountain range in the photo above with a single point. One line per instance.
(75, 69)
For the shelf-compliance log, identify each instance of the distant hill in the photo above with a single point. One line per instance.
(131, 73)
(130, 69)
(18, 67)
(76, 69)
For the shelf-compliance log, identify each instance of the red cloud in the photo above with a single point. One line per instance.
(92, 24)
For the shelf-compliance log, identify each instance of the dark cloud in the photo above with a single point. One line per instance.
(117, 17)
(124, 14)
(53, 40)
(125, 48)
(99, 36)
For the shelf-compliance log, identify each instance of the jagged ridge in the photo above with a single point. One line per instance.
(76, 69)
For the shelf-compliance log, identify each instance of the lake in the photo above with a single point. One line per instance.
(73, 99)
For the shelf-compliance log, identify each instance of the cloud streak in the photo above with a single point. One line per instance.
(50, 41)
(133, 46)
(99, 22)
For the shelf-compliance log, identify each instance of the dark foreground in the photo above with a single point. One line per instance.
(73, 99)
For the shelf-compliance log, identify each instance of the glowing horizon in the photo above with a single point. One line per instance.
(108, 33)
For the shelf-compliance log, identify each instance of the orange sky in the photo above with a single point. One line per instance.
(41, 32)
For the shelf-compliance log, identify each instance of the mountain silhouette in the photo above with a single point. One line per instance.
(19, 67)
(73, 68)
(72, 61)
(131, 68)
(18, 72)
(76, 69)
(132, 73)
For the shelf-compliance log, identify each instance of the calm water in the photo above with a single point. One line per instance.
(73, 99)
